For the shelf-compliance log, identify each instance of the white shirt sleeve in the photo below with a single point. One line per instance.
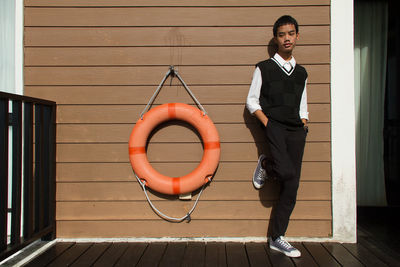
(303, 104)
(253, 98)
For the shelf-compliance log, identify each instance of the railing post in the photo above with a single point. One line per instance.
(50, 118)
(39, 188)
(3, 172)
(16, 172)
(28, 171)
(45, 149)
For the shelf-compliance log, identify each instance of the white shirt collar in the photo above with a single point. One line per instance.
(286, 66)
(282, 62)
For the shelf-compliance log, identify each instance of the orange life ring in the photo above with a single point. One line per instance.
(174, 185)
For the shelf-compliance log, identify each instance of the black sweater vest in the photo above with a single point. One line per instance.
(281, 94)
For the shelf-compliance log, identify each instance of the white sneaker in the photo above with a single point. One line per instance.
(283, 246)
(259, 175)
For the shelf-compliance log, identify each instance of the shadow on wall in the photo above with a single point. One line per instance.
(269, 193)
(272, 47)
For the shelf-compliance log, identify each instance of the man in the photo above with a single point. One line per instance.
(278, 99)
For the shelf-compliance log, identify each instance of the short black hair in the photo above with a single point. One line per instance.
(284, 20)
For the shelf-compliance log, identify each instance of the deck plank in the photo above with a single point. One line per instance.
(321, 255)
(376, 249)
(364, 255)
(306, 258)
(257, 255)
(70, 255)
(152, 255)
(132, 254)
(194, 254)
(278, 259)
(236, 255)
(111, 255)
(342, 255)
(50, 254)
(173, 254)
(215, 255)
(91, 255)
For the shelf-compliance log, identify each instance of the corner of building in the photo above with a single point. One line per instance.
(344, 204)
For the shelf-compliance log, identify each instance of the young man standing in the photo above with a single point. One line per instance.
(278, 98)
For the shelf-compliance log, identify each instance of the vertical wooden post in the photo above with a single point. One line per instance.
(16, 172)
(28, 170)
(39, 190)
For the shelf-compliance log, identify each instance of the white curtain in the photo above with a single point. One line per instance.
(370, 42)
(7, 45)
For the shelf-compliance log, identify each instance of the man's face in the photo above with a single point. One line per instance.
(286, 38)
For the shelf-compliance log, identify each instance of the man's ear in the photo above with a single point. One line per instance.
(297, 36)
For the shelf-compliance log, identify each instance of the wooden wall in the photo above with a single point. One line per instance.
(102, 60)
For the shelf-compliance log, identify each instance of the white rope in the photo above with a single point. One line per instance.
(190, 92)
(164, 216)
(173, 72)
(156, 92)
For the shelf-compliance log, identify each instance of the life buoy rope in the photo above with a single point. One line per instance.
(144, 172)
(174, 185)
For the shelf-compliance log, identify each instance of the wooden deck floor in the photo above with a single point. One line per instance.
(365, 253)
(378, 245)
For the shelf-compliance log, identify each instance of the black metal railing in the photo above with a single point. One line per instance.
(27, 171)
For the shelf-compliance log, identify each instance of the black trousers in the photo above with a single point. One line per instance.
(286, 147)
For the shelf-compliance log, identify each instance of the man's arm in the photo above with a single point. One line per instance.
(253, 103)
(303, 106)
(253, 97)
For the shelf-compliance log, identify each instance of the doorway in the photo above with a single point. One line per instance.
(376, 49)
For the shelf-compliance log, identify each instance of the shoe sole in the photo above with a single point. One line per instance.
(257, 186)
(284, 252)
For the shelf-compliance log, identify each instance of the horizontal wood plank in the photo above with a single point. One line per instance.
(144, 3)
(165, 36)
(134, 56)
(234, 191)
(173, 16)
(131, 113)
(174, 131)
(178, 152)
(227, 171)
(205, 210)
(146, 75)
(196, 228)
(231, 94)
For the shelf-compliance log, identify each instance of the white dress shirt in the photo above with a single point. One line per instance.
(253, 98)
